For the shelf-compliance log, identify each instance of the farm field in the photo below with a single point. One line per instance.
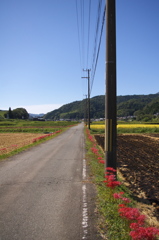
(138, 125)
(33, 126)
(12, 141)
(138, 162)
(127, 128)
(15, 134)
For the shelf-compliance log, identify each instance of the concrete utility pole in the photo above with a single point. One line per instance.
(88, 71)
(110, 99)
(85, 111)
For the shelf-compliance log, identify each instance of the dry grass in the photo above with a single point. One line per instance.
(12, 141)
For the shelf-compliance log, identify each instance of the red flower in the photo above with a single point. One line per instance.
(129, 213)
(121, 193)
(110, 177)
(117, 195)
(126, 200)
(141, 219)
(94, 150)
(140, 233)
(2, 149)
(113, 184)
(122, 205)
(102, 161)
(110, 169)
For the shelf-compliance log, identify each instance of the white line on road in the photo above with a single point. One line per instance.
(85, 204)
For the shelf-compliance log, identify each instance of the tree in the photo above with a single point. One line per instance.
(20, 113)
(10, 113)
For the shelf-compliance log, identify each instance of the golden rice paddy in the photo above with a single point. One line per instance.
(102, 126)
(12, 141)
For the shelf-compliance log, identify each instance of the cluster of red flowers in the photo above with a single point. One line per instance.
(111, 179)
(136, 221)
(4, 149)
(44, 136)
(94, 148)
(91, 138)
(140, 233)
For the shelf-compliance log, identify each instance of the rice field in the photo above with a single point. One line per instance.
(102, 126)
(13, 141)
(127, 128)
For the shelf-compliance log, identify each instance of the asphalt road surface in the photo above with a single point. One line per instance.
(45, 192)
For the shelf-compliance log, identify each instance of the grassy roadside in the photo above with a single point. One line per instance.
(110, 224)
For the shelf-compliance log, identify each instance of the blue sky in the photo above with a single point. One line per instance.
(43, 49)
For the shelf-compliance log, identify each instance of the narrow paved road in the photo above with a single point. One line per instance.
(44, 192)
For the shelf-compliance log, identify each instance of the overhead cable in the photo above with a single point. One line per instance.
(95, 66)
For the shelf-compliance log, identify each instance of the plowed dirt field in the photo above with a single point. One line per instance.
(138, 162)
(12, 141)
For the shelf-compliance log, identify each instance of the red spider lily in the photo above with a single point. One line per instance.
(141, 220)
(94, 150)
(129, 213)
(102, 161)
(44, 136)
(113, 184)
(122, 205)
(111, 169)
(91, 138)
(121, 193)
(110, 177)
(140, 233)
(117, 195)
(2, 149)
(135, 225)
(126, 200)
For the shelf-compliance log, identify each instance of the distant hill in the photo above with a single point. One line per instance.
(129, 105)
(34, 115)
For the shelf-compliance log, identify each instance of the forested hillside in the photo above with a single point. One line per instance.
(141, 106)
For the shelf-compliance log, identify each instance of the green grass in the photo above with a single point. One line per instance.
(29, 130)
(138, 130)
(28, 126)
(2, 114)
(97, 131)
(110, 223)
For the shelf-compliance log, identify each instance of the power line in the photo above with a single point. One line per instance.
(94, 70)
(82, 32)
(84, 26)
(96, 33)
(79, 45)
(88, 30)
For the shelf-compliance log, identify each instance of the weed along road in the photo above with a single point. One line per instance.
(45, 192)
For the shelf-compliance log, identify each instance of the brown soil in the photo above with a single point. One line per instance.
(138, 162)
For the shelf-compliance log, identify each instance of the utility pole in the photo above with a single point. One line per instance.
(88, 71)
(85, 111)
(110, 99)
